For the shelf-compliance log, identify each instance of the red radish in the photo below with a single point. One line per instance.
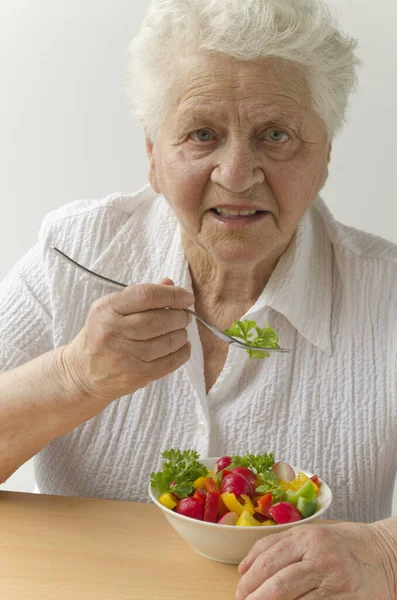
(284, 513)
(247, 473)
(236, 484)
(283, 471)
(211, 507)
(190, 507)
(223, 463)
(229, 518)
(224, 473)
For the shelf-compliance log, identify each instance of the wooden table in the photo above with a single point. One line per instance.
(58, 548)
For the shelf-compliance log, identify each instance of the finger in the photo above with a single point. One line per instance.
(261, 546)
(153, 323)
(293, 582)
(168, 364)
(158, 347)
(284, 553)
(167, 281)
(147, 296)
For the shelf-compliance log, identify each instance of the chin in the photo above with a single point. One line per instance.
(238, 255)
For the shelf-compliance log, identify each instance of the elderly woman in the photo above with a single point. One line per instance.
(240, 102)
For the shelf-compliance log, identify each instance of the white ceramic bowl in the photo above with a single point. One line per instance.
(227, 543)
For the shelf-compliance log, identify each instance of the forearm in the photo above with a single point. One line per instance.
(38, 403)
(386, 531)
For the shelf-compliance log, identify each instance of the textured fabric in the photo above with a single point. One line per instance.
(330, 406)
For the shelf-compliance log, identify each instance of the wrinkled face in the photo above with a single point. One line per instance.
(240, 156)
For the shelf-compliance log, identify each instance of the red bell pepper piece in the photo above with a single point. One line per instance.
(212, 486)
(316, 480)
(211, 507)
(200, 496)
(222, 508)
(264, 503)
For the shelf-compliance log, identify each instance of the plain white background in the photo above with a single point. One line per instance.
(66, 132)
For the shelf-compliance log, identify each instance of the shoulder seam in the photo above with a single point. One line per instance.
(87, 211)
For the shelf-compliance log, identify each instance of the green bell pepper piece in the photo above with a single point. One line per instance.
(307, 507)
(306, 491)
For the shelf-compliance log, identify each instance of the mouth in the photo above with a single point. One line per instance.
(229, 212)
(237, 217)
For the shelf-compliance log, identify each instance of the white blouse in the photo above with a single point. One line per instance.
(329, 407)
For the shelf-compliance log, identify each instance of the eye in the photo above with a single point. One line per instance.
(202, 135)
(278, 136)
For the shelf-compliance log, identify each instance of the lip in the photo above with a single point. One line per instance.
(238, 222)
(239, 207)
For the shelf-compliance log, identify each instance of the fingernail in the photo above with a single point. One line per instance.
(241, 566)
(189, 298)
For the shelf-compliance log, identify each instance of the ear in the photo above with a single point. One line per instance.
(329, 152)
(150, 151)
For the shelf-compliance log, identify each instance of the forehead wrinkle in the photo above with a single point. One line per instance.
(227, 111)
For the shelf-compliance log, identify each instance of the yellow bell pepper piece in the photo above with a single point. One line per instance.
(296, 484)
(246, 520)
(167, 501)
(232, 503)
(248, 506)
(199, 483)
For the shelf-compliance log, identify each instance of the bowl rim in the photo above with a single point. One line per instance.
(245, 528)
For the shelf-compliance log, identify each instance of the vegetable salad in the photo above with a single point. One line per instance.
(249, 491)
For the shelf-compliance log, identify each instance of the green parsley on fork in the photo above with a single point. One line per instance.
(241, 339)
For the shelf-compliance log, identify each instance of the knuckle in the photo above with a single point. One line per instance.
(162, 321)
(145, 352)
(318, 534)
(97, 308)
(177, 339)
(106, 332)
(102, 308)
(176, 359)
(265, 565)
(259, 547)
(278, 589)
(145, 293)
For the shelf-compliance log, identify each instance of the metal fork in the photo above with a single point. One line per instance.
(218, 332)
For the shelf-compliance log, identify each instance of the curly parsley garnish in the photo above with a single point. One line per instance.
(265, 337)
(258, 463)
(269, 483)
(180, 468)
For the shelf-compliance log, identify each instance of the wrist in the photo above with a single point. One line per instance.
(385, 533)
(70, 377)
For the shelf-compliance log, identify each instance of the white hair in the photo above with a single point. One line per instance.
(300, 31)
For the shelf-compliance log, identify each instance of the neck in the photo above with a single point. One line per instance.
(235, 286)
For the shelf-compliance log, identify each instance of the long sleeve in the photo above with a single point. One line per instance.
(25, 319)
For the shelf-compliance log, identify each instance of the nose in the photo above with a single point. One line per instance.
(238, 169)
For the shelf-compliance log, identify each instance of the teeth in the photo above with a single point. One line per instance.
(235, 213)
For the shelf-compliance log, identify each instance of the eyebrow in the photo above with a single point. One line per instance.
(259, 114)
